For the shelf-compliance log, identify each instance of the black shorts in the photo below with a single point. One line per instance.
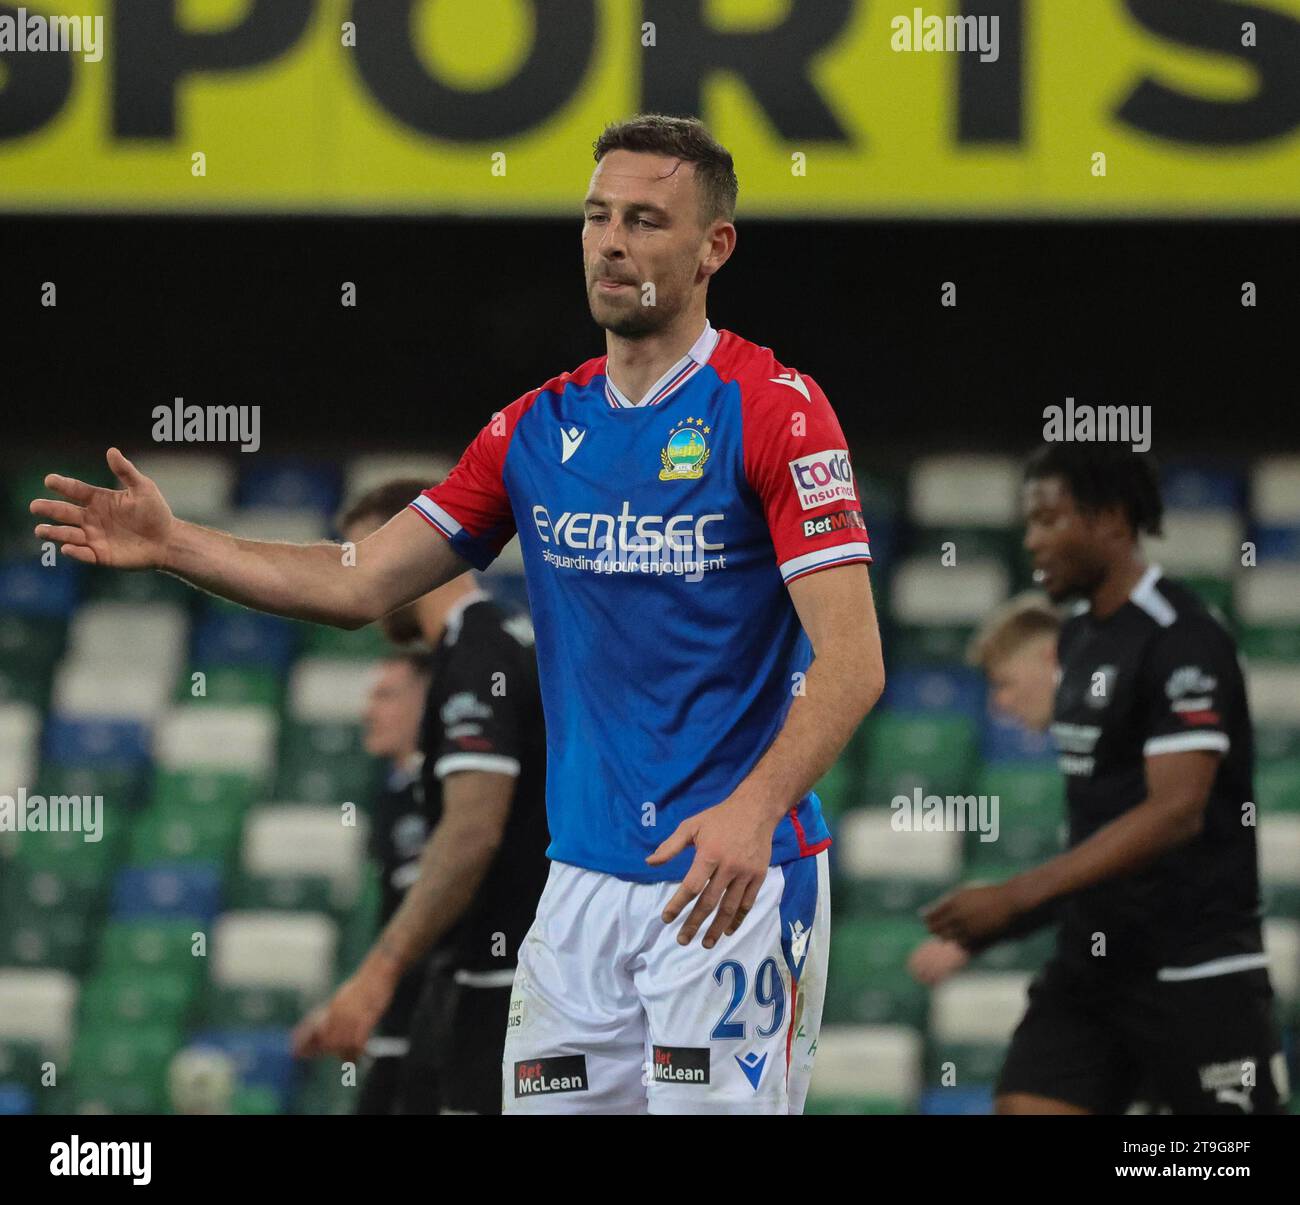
(453, 1064)
(1103, 1042)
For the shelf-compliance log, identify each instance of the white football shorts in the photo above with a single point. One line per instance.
(609, 1014)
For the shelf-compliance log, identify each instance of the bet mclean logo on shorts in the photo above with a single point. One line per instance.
(537, 1077)
(681, 1064)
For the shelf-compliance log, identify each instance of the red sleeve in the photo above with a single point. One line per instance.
(797, 462)
(471, 507)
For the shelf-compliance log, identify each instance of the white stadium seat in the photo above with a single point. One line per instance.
(275, 949)
(1279, 850)
(1198, 541)
(1282, 942)
(1274, 693)
(239, 739)
(38, 1006)
(329, 689)
(129, 635)
(876, 1062)
(926, 592)
(20, 733)
(870, 848)
(198, 487)
(365, 473)
(1275, 491)
(984, 1007)
(97, 691)
(965, 491)
(307, 839)
(1269, 594)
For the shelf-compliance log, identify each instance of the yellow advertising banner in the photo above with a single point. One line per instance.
(831, 107)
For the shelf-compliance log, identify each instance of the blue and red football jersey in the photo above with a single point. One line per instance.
(658, 540)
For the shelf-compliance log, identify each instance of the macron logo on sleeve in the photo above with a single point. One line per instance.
(823, 477)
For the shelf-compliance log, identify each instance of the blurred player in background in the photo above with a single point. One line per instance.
(462, 899)
(1016, 649)
(1159, 980)
(696, 559)
(399, 827)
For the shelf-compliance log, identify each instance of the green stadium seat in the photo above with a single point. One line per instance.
(123, 1066)
(928, 644)
(868, 981)
(124, 788)
(207, 790)
(152, 945)
(838, 788)
(25, 684)
(20, 1062)
(972, 1063)
(255, 1101)
(232, 686)
(287, 893)
(325, 1092)
(934, 751)
(141, 588)
(57, 939)
(177, 833)
(1215, 592)
(325, 763)
(134, 997)
(230, 1006)
(362, 644)
(1277, 785)
(1266, 642)
(1276, 742)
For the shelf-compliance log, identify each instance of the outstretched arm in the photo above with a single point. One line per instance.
(134, 528)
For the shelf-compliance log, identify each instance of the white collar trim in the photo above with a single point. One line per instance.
(694, 359)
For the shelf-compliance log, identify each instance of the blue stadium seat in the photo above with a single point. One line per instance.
(952, 1102)
(96, 742)
(15, 1101)
(229, 637)
(264, 1057)
(1189, 486)
(167, 889)
(1276, 543)
(1005, 741)
(29, 588)
(292, 484)
(958, 689)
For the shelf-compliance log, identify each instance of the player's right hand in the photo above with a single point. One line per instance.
(935, 959)
(122, 529)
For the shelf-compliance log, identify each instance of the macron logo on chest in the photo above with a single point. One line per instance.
(570, 441)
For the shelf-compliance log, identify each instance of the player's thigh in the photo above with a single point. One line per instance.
(733, 1029)
(575, 1032)
(1210, 1046)
(1065, 1055)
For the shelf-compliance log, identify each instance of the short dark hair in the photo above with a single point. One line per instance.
(685, 138)
(382, 502)
(1101, 475)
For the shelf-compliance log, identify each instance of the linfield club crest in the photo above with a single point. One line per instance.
(686, 452)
